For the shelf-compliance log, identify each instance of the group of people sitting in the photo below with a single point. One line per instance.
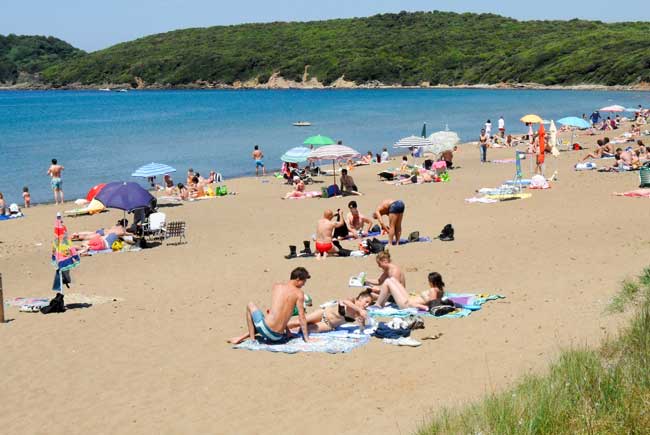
(629, 158)
(287, 314)
(195, 185)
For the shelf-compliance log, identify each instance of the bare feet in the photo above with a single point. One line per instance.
(237, 340)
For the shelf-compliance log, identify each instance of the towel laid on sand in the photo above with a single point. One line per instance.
(639, 193)
(339, 341)
(465, 304)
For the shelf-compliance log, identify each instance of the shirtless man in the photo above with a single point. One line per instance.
(57, 185)
(324, 232)
(356, 222)
(284, 297)
(605, 149)
(625, 159)
(258, 156)
(388, 270)
(395, 212)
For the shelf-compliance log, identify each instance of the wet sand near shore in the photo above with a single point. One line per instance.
(156, 360)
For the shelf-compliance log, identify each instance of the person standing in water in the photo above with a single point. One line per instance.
(258, 156)
(57, 184)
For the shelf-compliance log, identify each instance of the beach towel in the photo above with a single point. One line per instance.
(339, 341)
(30, 305)
(639, 193)
(481, 200)
(503, 161)
(308, 194)
(586, 166)
(509, 196)
(505, 189)
(11, 217)
(405, 241)
(523, 182)
(465, 304)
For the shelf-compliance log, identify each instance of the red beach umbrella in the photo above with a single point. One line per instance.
(94, 191)
(542, 144)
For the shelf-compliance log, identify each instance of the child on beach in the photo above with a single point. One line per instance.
(26, 197)
(3, 205)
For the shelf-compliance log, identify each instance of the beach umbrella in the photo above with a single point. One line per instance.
(553, 139)
(333, 153)
(152, 169)
(532, 119)
(94, 191)
(64, 255)
(613, 108)
(412, 142)
(574, 121)
(318, 141)
(125, 196)
(296, 155)
(442, 141)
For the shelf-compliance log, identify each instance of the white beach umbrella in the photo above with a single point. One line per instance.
(333, 153)
(553, 139)
(442, 141)
(413, 142)
(613, 108)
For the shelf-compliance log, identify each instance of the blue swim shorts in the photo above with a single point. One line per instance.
(397, 207)
(259, 163)
(56, 183)
(263, 329)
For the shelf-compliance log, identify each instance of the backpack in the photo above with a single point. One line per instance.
(375, 246)
(447, 233)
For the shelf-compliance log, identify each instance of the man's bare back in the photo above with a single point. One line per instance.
(324, 230)
(55, 171)
(284, 297)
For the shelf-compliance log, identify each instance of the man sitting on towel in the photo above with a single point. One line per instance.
(284, 297)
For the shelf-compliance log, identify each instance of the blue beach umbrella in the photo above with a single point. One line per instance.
(296, 155)
(152, 169)
(574, 121)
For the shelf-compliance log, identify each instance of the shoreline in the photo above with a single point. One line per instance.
(306, 86)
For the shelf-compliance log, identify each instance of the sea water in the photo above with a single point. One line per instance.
(104, 136)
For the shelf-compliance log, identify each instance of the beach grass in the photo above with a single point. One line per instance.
(585, 391)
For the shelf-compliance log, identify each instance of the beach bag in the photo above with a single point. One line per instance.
(117, 245)
(222, 190)
(333, 190)
(375, 246)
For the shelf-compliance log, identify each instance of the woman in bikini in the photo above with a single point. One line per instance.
(337, 313)
(421, 301)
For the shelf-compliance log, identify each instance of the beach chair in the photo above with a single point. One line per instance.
(153, 226)
(175, 229)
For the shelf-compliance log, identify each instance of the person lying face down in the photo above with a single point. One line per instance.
(284, 298)
(421, 301)
(337, 313)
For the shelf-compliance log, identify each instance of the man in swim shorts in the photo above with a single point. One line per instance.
(258, 156)
(57, 184)
(395, 212)
(284, 297)
(324, 233)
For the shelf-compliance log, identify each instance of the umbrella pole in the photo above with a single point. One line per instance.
(2, 303)
(334, 170)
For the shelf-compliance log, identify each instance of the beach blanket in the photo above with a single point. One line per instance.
(308, 194)
(35, 304)
(465, 304)
(126, 248)
(481, 200)
(339, 341)
(498, 190)
(509, 196)
(405, 241)
(522, 182)
(587, 166)
(503, 161)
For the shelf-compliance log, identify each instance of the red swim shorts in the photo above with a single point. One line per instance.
(324, 247)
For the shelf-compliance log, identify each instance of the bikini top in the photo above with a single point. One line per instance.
(342, 313)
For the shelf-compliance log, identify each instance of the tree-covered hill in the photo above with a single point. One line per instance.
(404, 48)
(31, 54)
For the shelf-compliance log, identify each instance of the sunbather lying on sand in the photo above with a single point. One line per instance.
(274, 326)
(604, 149)
(298, 189)
(337, 313)
(119, 229)
(421, 301)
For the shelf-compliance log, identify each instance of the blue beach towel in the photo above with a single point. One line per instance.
(339, 341)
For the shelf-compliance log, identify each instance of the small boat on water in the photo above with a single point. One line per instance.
(122, 90)
(302, 124)
(104, 89)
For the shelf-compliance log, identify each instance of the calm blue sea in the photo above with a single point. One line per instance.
(104, 136)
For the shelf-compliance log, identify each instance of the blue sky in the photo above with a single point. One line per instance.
(92, 25)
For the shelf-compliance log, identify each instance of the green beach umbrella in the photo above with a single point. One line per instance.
(318, 141)
(424, 130)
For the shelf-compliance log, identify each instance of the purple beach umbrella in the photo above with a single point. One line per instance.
(125, 196)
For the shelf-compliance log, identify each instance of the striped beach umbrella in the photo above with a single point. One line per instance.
(64, 255)
(152, 169)
(413, 142)
(613, 108)
(333, 153)
(296, 155)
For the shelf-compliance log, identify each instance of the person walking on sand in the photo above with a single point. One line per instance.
(488, 127)
(57, 184)
(258, 156)
(325, 231)
(395, 212)
(483, 143)
(274, 326)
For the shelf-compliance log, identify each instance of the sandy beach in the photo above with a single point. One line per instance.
(155, 359)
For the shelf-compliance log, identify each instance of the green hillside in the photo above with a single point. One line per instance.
(404, 48)
(31, 54)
